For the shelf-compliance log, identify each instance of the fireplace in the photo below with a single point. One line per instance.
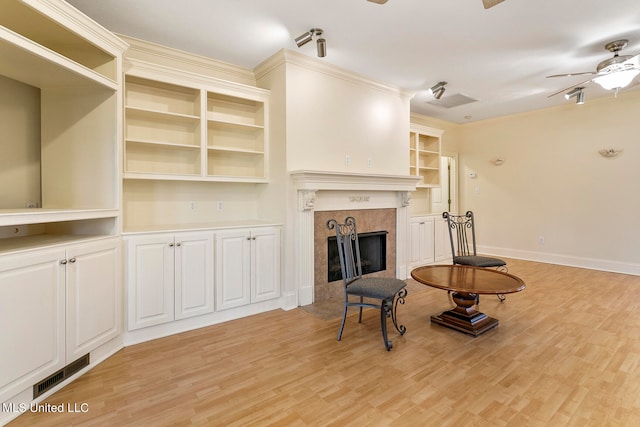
(370, 222)
(377, 202)
(373, 254)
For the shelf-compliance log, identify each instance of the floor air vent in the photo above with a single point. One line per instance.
(61, 375)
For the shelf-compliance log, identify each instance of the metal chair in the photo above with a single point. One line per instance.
(388, 291)
(462, 234)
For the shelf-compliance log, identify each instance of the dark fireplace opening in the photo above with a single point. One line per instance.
(373, 254)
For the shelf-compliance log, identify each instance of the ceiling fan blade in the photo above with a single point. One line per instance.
(378, 1)
(570, 87)
(490, 3)
(571, 74)
(634, 61)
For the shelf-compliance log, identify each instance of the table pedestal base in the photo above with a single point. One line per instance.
(464, 318)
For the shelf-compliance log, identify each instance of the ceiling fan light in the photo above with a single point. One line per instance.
(617, 80)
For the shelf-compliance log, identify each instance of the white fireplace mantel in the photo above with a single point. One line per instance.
(322, 180)
(388, 191)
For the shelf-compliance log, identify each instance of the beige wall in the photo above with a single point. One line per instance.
(331, 115)
(19, 144)
(555, 185)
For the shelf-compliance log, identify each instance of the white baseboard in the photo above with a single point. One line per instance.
(568, 260)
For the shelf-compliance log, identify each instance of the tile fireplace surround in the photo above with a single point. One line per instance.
(373, 200)
(366, 220)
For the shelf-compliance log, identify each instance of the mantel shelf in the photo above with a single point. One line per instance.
(325, 180)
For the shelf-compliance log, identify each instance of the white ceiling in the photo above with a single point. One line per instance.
(499, 56)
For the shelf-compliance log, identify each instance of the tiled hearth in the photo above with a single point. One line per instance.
(366, 220)
(378, 202)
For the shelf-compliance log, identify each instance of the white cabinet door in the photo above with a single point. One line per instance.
(421, 248)
(32, 336)
(93, 296)
(150, 278)
(193, 274)
(442, 241)
(233, 268)
(265, 264)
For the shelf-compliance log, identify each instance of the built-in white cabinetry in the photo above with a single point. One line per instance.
(182, 126)
(177, 281)
(56, 304)
(421, 241)
(428, 241)
(60, 277)
(424, 155)
(247, 266)
(169, 277)
(93, 305)
(442, 241)
(32, 314)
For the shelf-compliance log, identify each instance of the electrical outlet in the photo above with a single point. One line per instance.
(541, 240)
(192, 206)
(31, 205)
(220, 205)
(347, 159)
(369, 163)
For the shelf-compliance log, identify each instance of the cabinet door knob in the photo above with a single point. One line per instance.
(72, 260)
(171, 245)
(63, 262)
(178, 244)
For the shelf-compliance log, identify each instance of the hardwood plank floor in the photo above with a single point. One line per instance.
(566, 353)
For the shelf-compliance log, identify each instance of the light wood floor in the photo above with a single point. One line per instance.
(566, 353)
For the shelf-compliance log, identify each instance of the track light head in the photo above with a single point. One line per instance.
(304, 39)
(321, 43)
(322, 47)
(578, 93)
(438, 90)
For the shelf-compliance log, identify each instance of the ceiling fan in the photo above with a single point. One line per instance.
(487, 3)
(613, 73)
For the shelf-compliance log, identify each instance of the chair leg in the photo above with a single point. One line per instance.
(399, 299)
(344, 317)
(385, 310)
(360, 315)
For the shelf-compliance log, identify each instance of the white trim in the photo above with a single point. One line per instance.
(567, 260)
(301, 60)
(323, 180)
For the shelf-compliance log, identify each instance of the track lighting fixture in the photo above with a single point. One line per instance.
(304, 38)
(578, 93)
(438, 90)
(321, 43)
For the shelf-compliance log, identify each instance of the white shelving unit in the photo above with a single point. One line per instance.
(181, 126)
(60, 272)
(424, 154)
(77, 75)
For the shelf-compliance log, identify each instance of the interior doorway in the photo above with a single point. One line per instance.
(445, 198)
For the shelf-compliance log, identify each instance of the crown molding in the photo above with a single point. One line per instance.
(286, 56)
(198, 64)
(149, 70)
(79, 23)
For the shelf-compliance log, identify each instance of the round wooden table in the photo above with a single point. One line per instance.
(467, 283)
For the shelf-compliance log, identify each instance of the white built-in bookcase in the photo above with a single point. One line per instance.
(75, 68)
(180, 126)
